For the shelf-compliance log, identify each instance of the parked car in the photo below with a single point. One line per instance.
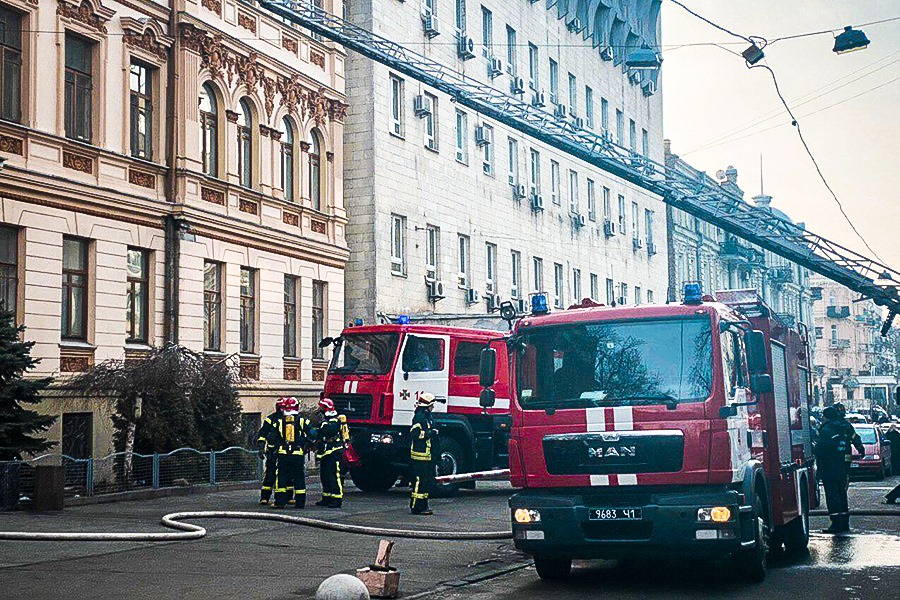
(857, 418)
(877, 461)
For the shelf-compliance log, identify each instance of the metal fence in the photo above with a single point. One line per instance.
(128, 471)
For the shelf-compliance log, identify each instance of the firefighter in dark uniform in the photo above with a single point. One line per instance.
(330, 445)
(421, 435)
(268, 450)
(855, 440)
(291, 433)
(833, 446)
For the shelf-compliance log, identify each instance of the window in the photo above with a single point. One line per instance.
(648, 225)
(78, 435)
(610, 292)
(212, 306)
(141, 82)
(513, 148)
(649, 296)
(819, 334)
(595, 287)
(607, 204)
(287, 159)
(558, 284)
(245, 144)
(429, 7)
(397, 106)
(460, 16)
(573, 95)
(589, 106)
(290, 315)
(620, 127)
(248, 310)
(491, 263)
(516, 267)
(398, 245)
(74, 289)
(538, 274)
(432, 252)
(462, 137)
(11, 65)
(137, 303)
(535, 172)
(319, 294)
(834, 334)
(431, 124)
(467, 360)
(487, 32)
(314, 158)
(638, 298)
(635, 231)
(554, 181)
(79, 88)
(487, 151)
(576, 285)
(464, 260)
(573, 192)
(604, 114)
(554, 82)
(591, 200)
(632, 135)
(9, 269)
(622, 214)
(645, 142)
(533, 67)
(623, 293)
(209, 131)
(423, 355)
(511, 51)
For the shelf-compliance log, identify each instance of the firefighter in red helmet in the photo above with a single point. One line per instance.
(331, 441)
(268, 450)
(421, 435)
(291, 434)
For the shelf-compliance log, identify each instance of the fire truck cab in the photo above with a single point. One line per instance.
(377, 373)
(653, 431)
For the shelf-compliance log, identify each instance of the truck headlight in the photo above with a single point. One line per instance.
(714, 514)
(876, 457)
(382, 438)
(526, 515)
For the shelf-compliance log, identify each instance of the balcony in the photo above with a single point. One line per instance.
(815, 293)
(839, 344)
(732, 250)
(780, 275)
(786, 319)
(838, 312)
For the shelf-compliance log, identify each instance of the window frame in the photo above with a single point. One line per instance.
(67, 331)
(141, 109)
(558, 285)
(534, 67)
(291, 325)
(537, 273)
(9, 269)
(574, 198)
(488, 155)
(79, 91)
(319, 313)
(490, 262)
(249, 306)
(512, 147)
(287, 147)
(487, 33)
(315, 166)
(212, 299)
(573, 95)
(245, 148)
(134, 282)
(209, 132)
(464, 258)
(432, 252)
(554, 182)
(576, 285)
(554, 81)
(511, 52)
(516, 272)
(398, 245)
(591, 200)
(535, 170)
(589, 106)
(595, 287)
(398, 110)
(462, 137)
(11, 54)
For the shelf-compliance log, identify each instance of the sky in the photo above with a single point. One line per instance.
(708, 93)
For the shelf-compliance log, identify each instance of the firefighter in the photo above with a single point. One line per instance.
(291, 436)
(855, 440)
(833, 446)
(268, 450)
(331, 441)
(421, 435)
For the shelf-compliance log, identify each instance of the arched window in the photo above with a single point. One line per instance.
(287, 159)
(315, 170)
(245, 144)
(209, 131)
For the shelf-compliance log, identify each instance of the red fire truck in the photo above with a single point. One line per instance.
(655, 431)
(377, 373)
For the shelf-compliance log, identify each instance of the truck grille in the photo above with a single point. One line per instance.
(354, 406)
(614, 452)
(617, 530)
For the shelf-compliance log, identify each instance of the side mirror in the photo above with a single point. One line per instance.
(487, 398)
(757, 359)
(488, 367)
(761, 383)
(327, 341)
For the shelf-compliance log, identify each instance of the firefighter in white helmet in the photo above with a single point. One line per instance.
(421, 435)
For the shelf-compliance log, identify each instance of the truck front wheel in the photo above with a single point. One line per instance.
(553, 568)
(752, 562)
(796, 539)
(450, 460)
(374, 479)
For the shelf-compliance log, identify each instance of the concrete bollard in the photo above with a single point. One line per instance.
(342, 587)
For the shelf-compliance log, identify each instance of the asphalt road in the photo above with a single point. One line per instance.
(257, 559)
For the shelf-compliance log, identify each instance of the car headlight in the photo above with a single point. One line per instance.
(526, 515)
(876, 457)
(714, 514)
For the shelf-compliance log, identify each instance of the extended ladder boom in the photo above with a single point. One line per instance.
(698, 195)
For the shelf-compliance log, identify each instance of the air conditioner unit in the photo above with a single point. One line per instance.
(495, 69)
(537, 202)
(521, 305)
(638, 243)
(609, 228)
(431, 25)
(465, 47)
(493, 302)
(472, 296)
(422, 105)
(575, 25)
(560, 111)
(482, 135)
(578, 122)
(435, 290)
(651, 249)
(518, 85)
(578, 220)
(634, 76)
(622, 301)
(649, 87)
(519, 191)
(606, 53)
(538, 99)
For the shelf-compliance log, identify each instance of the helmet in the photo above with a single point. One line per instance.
(831, 413)
(279, 404)
(290, 405)
(327, 407)
(842, 410)
(425, 400)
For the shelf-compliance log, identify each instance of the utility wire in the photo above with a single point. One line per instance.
(831, 31)
(716, 25)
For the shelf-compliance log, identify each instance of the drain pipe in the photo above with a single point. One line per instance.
(172, 225)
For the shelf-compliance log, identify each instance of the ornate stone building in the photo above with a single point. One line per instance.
(173, 174)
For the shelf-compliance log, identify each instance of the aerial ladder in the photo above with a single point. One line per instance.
(694, 193)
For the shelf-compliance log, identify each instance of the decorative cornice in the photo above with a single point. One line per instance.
(304, 146)
(232, 116)
(77, 162)
(87, 13)
(289, 43)
(212, 5)
(317, 58)
(147, 35)
(264, 130)
(246, 21)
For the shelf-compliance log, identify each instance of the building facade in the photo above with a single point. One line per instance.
(451, 213)
(854, 364)
(170, 176)
(701, 252)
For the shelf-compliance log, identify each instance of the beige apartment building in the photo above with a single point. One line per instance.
(173, 173)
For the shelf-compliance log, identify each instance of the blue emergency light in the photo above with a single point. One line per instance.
(693, 293)
(539, 304)
(358, 322)
(403, 320)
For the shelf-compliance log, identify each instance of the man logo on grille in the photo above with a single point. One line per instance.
(611, 451)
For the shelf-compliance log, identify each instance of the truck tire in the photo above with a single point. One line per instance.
(882, 473)
(450, 460)
(751, 563)
(796, 539)
(553, 569)
(374, 479)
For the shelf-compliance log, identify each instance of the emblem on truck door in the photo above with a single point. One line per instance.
(607, 451)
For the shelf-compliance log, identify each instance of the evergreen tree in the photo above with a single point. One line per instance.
(18, 424)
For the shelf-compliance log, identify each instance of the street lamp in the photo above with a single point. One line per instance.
(850, 40)
(643, 59)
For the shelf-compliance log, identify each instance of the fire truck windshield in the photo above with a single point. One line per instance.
(618, 363)
(365, 353)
